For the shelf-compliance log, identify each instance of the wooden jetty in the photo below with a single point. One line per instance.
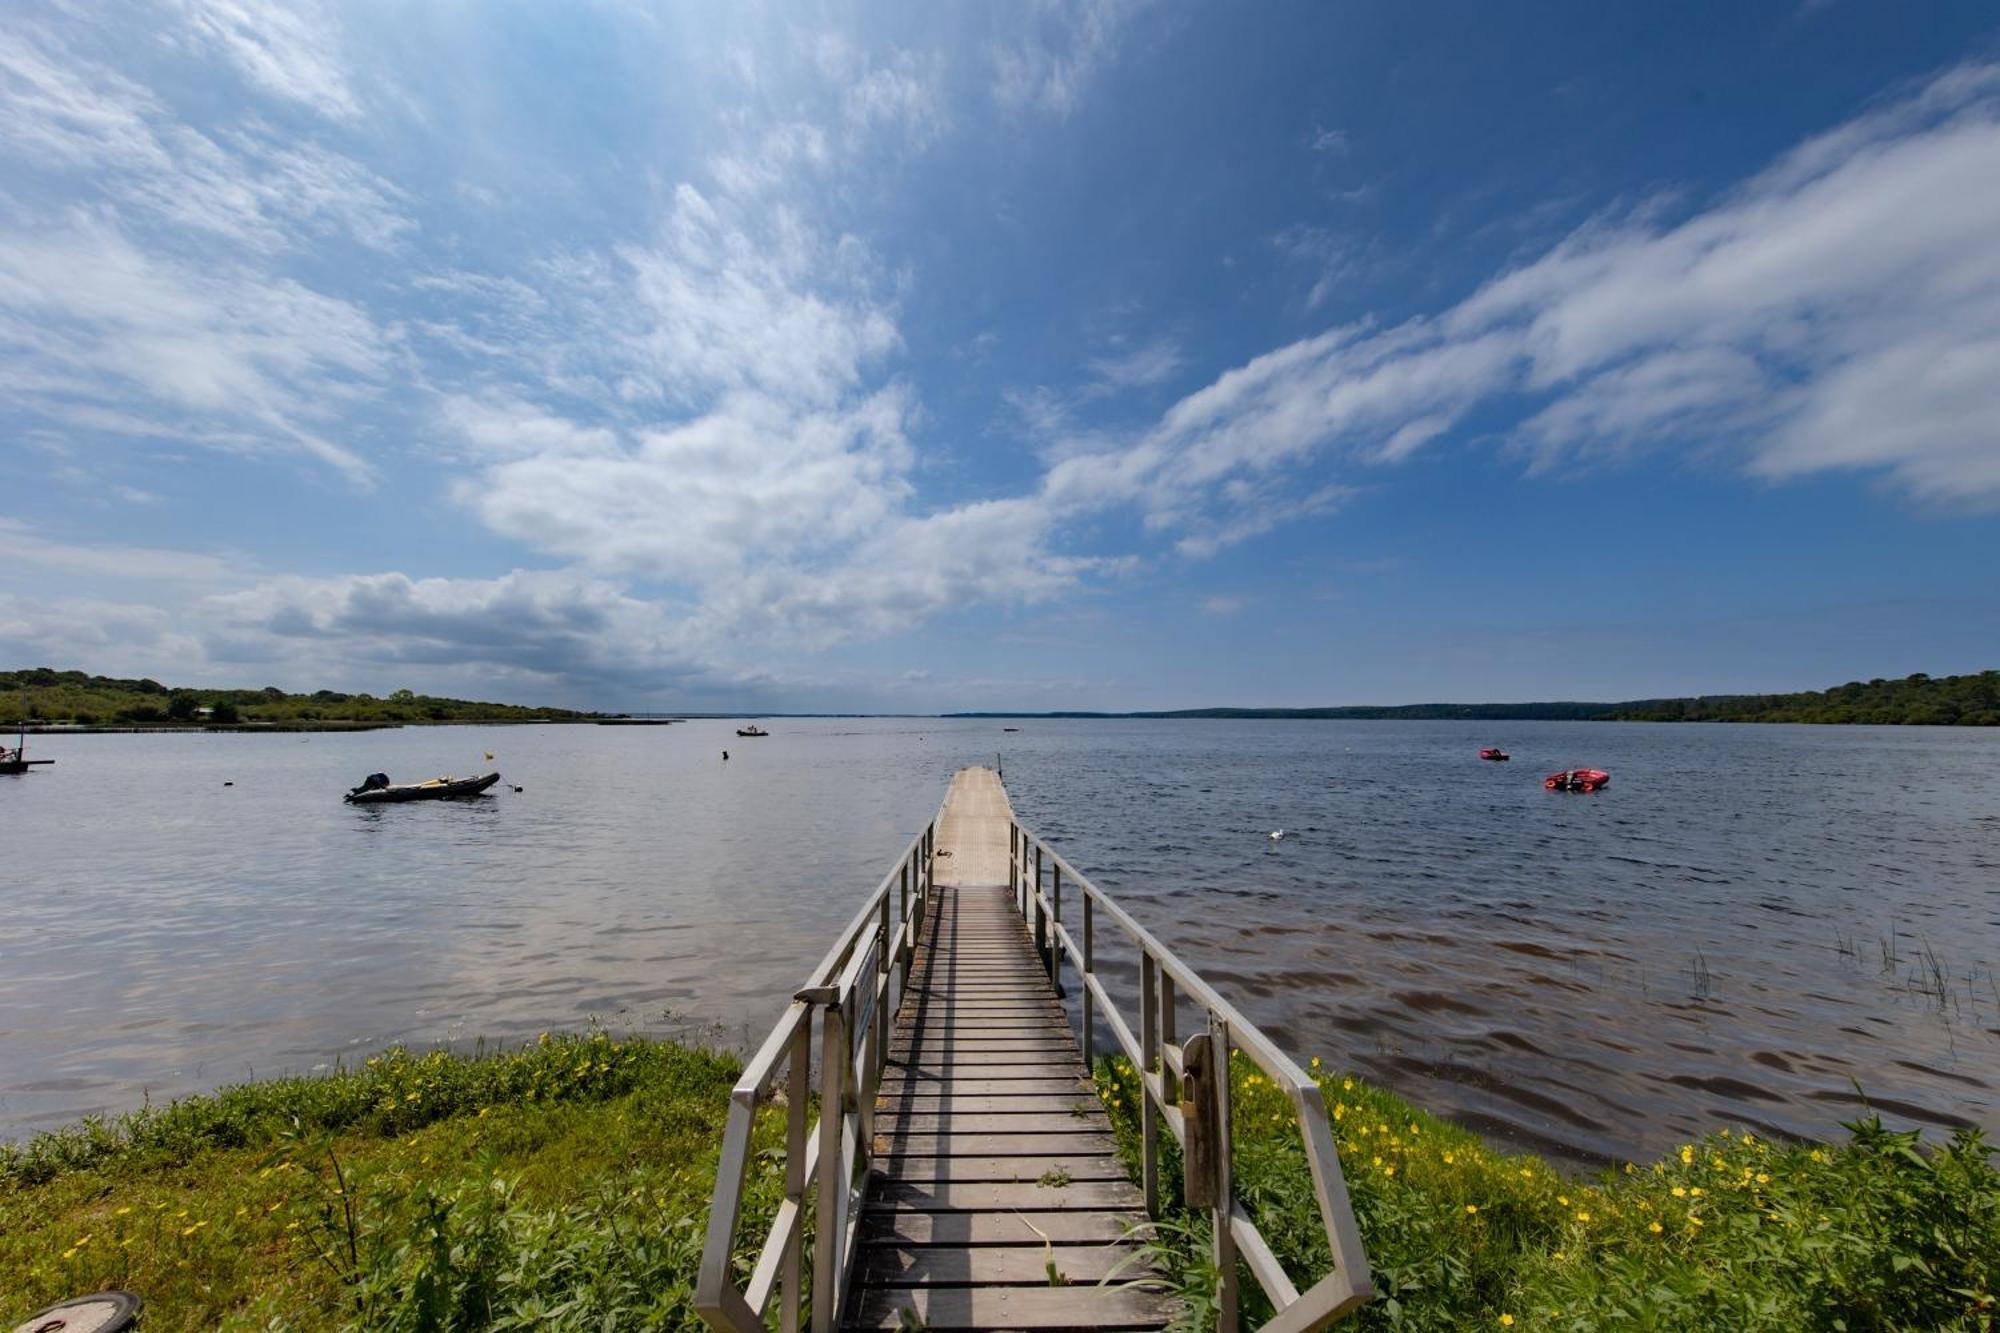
(967, 1176)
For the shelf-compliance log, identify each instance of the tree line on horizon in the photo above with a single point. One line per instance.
(1914, 700)
(42, 694)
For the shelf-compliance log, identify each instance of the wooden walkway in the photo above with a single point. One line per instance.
(998, 1200)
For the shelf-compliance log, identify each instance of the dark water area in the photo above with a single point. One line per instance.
(1746, 925)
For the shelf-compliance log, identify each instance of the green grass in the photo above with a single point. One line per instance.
(1877, 1232)
(565, 1187)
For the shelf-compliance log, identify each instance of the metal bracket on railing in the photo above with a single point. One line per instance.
(1202, 1152)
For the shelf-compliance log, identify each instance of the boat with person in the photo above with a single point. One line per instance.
(752, 730)
(1576, 779)
(1496, 753)
(16, 761)
(376, 789)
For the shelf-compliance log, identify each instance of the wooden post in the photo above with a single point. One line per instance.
(1149, 1050)
(829, 1223)
(798, 1096)
(1223, 1244)
(1055, 941)
(1168, 1035)
(1198, 1166)
(1089, 971)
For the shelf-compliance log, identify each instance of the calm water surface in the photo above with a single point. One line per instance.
(1749, 922)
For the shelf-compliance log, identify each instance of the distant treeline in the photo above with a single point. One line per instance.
(1971, 701)
(46, 695)
(1943, 701)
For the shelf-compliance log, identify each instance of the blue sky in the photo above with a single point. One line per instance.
(920, 356)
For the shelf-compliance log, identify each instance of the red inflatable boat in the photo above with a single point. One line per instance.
(1577, 779)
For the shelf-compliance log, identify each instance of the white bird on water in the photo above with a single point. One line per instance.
(1277, 835)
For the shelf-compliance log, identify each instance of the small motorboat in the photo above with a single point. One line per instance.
(378, 790)
(1495, 752)
(752, 730)
(16, 761)
(1577, 779)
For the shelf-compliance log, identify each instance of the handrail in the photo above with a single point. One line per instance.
(854, 991)
(1194, 1103)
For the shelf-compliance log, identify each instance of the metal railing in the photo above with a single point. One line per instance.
(1187, 1086)
(853, 994)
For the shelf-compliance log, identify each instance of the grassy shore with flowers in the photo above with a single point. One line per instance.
(565, 1186)
(1878, 1231)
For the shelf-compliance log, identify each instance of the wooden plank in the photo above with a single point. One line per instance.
(1002, 1064)
(983, 1080)
(1034, 1142)
(991, 1265)
(911, 1227)
(986, 1196)
(1039, 1103)
(947, 1308)
(981, 1122)
(1056, 1170)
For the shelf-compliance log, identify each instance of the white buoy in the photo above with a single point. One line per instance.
(1277, 835)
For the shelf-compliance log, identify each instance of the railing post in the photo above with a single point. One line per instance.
(830, 1224)
(1149, 1052)
(1198, 1147)
(1041, 913)
(1169, 1036)
(1055, 940)
(1089, 971)
(798, 1096)
(1014, 862)
(1222, 1244)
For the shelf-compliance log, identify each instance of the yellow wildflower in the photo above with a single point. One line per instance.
(1506, 1321)
(1655, 1228)
(1687, 1155)
(1472, 1208)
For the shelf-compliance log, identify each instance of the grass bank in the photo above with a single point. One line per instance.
(1732, 1232)
(566, 1186)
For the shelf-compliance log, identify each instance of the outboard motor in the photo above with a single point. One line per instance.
(373, 782)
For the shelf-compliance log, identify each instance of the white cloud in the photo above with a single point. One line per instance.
(1048, 64)
(1839, 311)
(905, 92)
(89, 321)
(24, 545)
(290, 49)
(1329, 141)
(1152, 362)
(251, 186)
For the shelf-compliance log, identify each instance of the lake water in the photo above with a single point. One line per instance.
(1749, 921)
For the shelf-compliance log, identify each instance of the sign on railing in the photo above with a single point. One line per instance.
(1187, 1088)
